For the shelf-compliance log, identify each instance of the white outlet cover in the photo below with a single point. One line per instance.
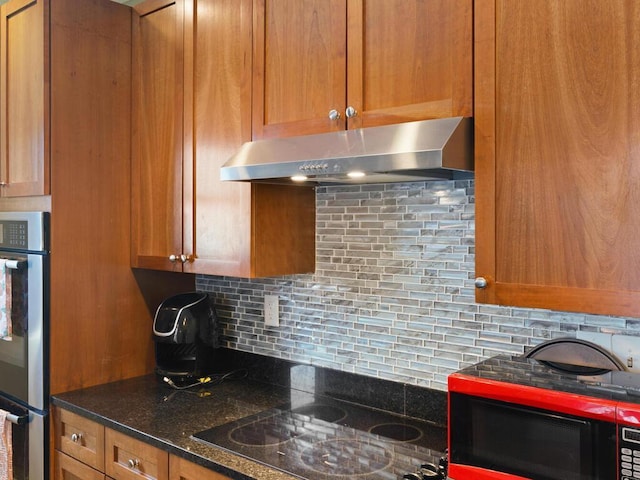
(625, 347)
(271, 311)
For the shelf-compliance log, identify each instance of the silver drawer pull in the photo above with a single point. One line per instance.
(133, 463)
(76, 437)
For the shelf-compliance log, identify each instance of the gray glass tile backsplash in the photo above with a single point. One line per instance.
(392, 296)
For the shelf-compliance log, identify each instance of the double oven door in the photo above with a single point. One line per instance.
(24, 269)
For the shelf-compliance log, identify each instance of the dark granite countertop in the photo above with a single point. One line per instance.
(149, 410)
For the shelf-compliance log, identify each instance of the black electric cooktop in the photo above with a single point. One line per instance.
(325, 438)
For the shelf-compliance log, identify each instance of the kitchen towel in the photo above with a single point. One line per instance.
(5, 301)
(6, 451)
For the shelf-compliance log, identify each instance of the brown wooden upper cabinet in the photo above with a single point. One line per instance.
(325, 65)
(24, 98)
(557, 133)
(191, 111)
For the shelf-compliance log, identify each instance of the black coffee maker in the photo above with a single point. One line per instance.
(185, 332)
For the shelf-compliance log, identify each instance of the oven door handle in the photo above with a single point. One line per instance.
(18, 419)
(14, 264)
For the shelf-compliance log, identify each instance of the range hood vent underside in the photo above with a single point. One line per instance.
(406, 152)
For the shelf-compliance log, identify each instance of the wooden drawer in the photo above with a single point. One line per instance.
(80, 438)
(182, 469)
(68, 468)
(129, 459)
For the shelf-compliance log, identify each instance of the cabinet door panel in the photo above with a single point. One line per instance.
(557, 159)
(24, 95)
(181, 469)
(129, 459)
(409, 60)
(299, 66)
(220, 229)
(79, 437)
(67, 468)
(157, 136)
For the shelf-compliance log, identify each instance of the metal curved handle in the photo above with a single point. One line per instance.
(334, 115)
(350, 112)
(133, 463)
(481, 282)
(76, 437)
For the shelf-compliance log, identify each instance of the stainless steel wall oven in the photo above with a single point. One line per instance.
(24, 346)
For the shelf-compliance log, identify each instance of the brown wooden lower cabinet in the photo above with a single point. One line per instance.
(68, 468)
(86, 450)
(181, 469)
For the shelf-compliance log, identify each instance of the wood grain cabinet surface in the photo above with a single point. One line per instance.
(86, 450)
(192, 111)
(129, 459)
(24, 98)
(557, 158)
(181, 469)
(391, 61)
(79, 447)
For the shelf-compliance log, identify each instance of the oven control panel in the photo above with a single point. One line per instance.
(629, 458)
(14, 234)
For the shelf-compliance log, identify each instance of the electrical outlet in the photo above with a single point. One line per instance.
(627, 349)
(271, 311)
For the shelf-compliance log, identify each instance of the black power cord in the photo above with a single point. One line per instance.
(213, 379)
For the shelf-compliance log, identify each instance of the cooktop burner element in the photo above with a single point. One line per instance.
(328, 413)
(284, 426)
(399, 432)
(269, 431)
(327, 438)
(346, 457)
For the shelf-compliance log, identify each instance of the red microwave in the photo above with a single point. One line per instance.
(514, 418)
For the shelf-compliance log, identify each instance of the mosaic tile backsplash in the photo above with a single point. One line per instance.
(392, 296)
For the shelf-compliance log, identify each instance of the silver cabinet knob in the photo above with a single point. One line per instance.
(173, 258)
(76, 437)
(481, 282)
(185, 258)
(350, 112)
(133, 462)
(334, 115)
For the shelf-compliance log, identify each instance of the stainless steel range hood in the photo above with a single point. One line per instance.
(406, 152)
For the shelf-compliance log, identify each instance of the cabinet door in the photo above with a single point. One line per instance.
(409, 60)
(392, 61)
(158, 113)
(68, 468)
(129, 459)
(237, 229)
(24, 98)
(557, 159)
(79, 437)
(181, 469)
(219, 228)
(299, 66)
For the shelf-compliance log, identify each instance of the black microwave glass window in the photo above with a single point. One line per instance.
(530, 442)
